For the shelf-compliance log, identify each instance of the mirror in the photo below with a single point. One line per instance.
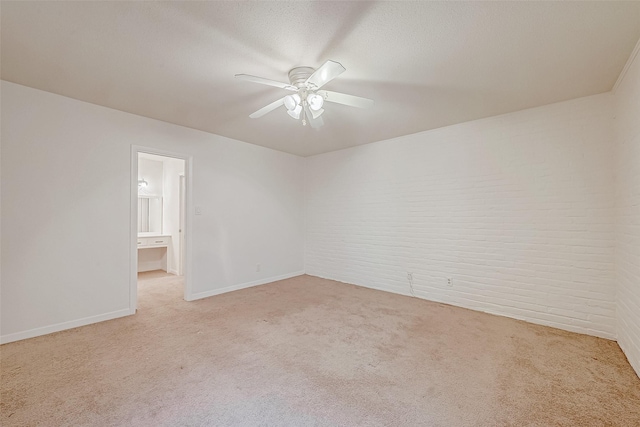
(149, 215)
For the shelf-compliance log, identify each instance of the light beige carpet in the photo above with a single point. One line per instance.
(312, 352)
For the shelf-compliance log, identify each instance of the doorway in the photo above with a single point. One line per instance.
(160, 227)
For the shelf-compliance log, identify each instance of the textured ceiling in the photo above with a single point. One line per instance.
(426, 64)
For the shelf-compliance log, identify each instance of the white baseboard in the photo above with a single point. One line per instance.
(36, 332)
(172, 271)
(496, 312)
(31, 333)
(213, 292)
(150, 266)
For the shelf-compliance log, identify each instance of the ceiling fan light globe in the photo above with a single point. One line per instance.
(290, 102)
(315, 114)
(315, 101)
(295, 113)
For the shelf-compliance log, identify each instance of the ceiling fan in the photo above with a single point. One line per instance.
(307, 100)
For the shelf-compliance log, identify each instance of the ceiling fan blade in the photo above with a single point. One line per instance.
(316, 121)
(323, 75)
(267, 109)
(264, 81)
(343, 98)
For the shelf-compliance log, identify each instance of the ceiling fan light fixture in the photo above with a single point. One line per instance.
(315, 101)
(316, 113)
(292, 101)
(307, 100)
(295, 112)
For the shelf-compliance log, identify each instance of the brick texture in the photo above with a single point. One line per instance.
(627, 128)
(517, 210)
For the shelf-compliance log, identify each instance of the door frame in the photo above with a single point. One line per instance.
(133, 232)
(182, 224)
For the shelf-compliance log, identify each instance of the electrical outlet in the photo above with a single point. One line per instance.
(258, 267)
(449, 281)
(409, 276)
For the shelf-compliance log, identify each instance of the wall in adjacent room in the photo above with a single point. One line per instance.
(173, 169)
(65, 223)
(516, 209)
(152, 172)
(627, 169)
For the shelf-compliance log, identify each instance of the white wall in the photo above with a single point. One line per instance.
(66, 210)
(152, 172)
(627, 167)
(152, 259)
(173, 168)
(516, 209)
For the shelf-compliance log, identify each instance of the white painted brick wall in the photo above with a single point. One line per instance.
(516, 209)
(627, 127)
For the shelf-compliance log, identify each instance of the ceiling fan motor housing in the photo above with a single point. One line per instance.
(299, 75)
